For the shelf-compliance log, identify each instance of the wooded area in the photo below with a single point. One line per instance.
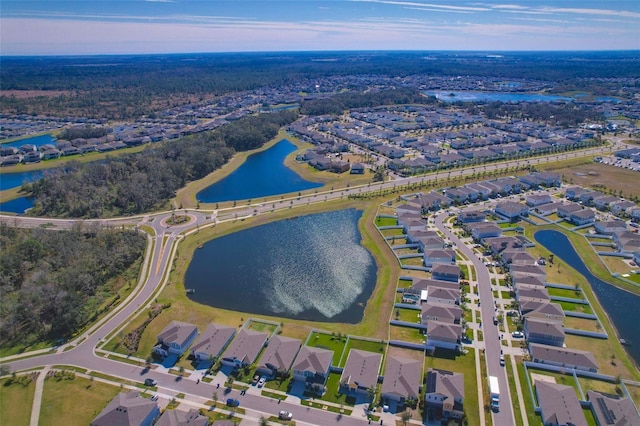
(53, 282)
(338, 103)
(137, 183)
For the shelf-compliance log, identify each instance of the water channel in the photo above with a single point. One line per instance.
(620, 305)
(311, 267)
(263, 174)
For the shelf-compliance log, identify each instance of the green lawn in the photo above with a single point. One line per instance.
(532, 417)
(408, 283)
(575, 307)
(60, 401)
(16, 400)
(408, 315)
(561, 292)
(332, 394)
(328, 341)
(262, 326)
(386, 221)
(513, 392)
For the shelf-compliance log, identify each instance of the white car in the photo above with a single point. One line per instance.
(517, 335)
(502, 360)
(262, 381)
(285, 415)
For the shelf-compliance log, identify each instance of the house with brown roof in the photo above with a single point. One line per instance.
(278, 356)
(441, 271)
(444, 335)
(175, 338)
(544, 331)
(559, 405)
(360, 373)
(212, 342)
(244, 349)
(444, 391)
(563, 357)
(182, 418)
(401, 380)
(128, 409)
(612, 409)
(312, 367)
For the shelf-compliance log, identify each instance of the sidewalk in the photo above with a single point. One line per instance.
(37, 397)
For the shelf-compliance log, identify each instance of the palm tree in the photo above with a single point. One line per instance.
(406, 416)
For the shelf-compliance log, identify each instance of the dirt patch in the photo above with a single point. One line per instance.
(25, 94)
(405, 353)
(542, 378)
(604, 178)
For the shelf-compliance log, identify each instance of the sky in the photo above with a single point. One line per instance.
(80, 27)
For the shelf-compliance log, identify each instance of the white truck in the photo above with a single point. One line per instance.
(494, 389)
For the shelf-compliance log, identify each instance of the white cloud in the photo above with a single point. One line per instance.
(438, 7)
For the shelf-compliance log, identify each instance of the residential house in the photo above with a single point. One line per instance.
(574, 192)
(278, 356)
(413, 225)
(357, 169)
(434, 201)
(610, 227)
(499, 244)
(128, 409)
(627, 241)
(528, 280)
(563, 357)
(434, 256)
(544, 331)
(244, 349)
(531, 292)
(511, 210)
(420, 284)
(613, 409)
(182, 418)
(444, 391)
(444, 335)
(582, 217)
(559, 405)
(567, 209)
(443, 295)
(425, 240)
(621, 207)
(212, 342)
(603, 202)
(175, 338)
(411, 208)
(547, 209)
(534, 200)
(531, 270)
(540, 308)
(480, 231)
(444, 312)
(441, 271)
(312, 367)
(401, 380)
(360, 373)
(472, 216)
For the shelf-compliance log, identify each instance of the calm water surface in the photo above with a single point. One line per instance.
(36, 140)
(311, 267)
(470, 96)
(17, 205)
(620, 305)
(262, 175)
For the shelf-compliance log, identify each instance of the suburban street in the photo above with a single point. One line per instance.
(161, 249)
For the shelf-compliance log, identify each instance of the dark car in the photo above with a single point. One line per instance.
(232, 402)
(150, 382)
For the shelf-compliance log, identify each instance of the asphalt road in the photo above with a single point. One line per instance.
(490, 332)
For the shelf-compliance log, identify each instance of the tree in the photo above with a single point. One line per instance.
(263, 421)
(214, 397)
(406, 416)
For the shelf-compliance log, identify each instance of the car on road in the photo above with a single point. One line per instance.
(502, 360)
(285, 415)
(154, 397)
(262, 381)
(150, 382)
(232, 402)
(517, 335)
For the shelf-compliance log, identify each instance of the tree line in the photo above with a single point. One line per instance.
(53, 282)
(338, 103)
(142, 182)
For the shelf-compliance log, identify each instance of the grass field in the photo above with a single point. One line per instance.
(15, 402)
(60, 401)
(596, 175)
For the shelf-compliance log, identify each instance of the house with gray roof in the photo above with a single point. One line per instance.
(500, 244)
(627, 241)
(433, 256)
(530, 270)
(312, 367)
(610, 227)
(528, 280)
(547, 209)
(244, 349)
(212, 342)
(175, 338)
(360, 373)
(622, 206)
(444, 335)
(401, 380)
(482, 230)
(443, 295)
(559, 404)
(472, 216)
(541, 308)
(524, 291)
(534, 200)
(441, 312)
(574, 192)
(612, 409)
(278, 356)
(582, 217)
(511, 210)
(603, 202)
(128, 409)
(182, 418)
(517, 257)
(567, 209)
(444, 391)
(563, 357)
(420, 284)
(441, 271)
(543, 331)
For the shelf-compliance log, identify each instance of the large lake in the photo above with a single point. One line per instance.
(311, 267)
(470, 96)
(621, 306)
(262, 174)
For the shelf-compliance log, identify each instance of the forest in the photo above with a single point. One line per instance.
(142, 182)
(562, 114)
(53, 282)
(129, 87)
(342, 101)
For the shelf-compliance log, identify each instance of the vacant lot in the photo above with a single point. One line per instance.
(601, 176)
(15, 402)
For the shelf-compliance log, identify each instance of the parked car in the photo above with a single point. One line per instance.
(285, 415)
(255, 380)
(150, 382)
(232, 402)
(502, 360)
(262, 381)
(517, 335)
(154, 397)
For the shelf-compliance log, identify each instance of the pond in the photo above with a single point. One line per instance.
(471, 96)
(310, 267)
(38, 141)
(621, 306)
(263, 174)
